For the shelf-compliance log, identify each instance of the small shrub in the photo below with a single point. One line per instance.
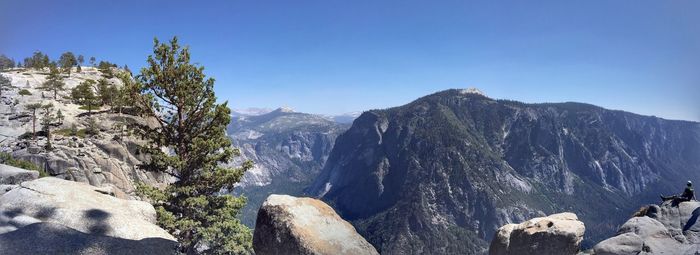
(87, 107)
(641, 212)
(71, 132)
(25, 92)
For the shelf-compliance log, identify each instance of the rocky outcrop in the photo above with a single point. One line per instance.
(53, 238)
(290, 225)
(557, 234)
(10, 175)
(106, 159)
(660, 229)
(80, 207)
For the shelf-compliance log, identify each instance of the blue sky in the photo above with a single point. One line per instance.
(341, 56)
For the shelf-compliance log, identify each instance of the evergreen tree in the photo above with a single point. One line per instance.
(67, 61)
(83, 94)
(105, 68)
(33, 108)
(54, 82)
(60, 117)
(92, 61)
(38, 60)
(6, 63)
(92, 128)
(5, 82)
(46, 122)
(105, 92)
(178, 96)
(81, 60)
(45, 61)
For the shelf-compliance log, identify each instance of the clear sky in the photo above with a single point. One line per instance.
(339, 56)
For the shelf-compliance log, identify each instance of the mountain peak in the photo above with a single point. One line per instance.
(284, 109)
(471, 90)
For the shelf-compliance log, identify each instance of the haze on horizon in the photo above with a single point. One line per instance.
(332, 57)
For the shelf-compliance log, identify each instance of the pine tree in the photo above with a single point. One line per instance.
(83, 94)
(105, 68)
(92, 61)
(46, 122)
(60, 117)
(5, 82)
(178, 96)
(67, 61)
(6, 63)
(33, 108)
(105, 92)
(92, 128)
(54, 82)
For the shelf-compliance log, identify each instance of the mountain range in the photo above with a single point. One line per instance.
(288, 150)
(442, 173)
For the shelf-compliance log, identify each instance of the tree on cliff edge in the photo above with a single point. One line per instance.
(180, 100)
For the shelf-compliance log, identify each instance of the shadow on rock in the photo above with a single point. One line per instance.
(52, 238)
(692, 220)
(97, 220)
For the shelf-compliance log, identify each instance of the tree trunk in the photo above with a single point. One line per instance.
(34, 125)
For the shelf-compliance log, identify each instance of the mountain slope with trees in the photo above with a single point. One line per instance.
(441, 174)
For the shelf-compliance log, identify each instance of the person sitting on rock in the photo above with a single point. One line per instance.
(688, 194)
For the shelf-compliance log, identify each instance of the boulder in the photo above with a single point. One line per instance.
(623, 244)
(77, 206)
(556, 234)
(53, 238)
(290, 225)
(14, 175)
(662, 229)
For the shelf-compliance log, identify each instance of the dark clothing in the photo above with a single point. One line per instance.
(688, 194)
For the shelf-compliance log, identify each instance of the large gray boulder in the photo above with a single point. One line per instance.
(556, 234)
(661, 229)
(290, 225)
(53, 238)
(14, 175)
(78, 206)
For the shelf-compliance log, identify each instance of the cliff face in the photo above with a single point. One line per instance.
(288, 150)
(457, 165)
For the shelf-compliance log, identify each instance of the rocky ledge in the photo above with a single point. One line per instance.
(657, 229)
(54, 216)
(290, 225)
(556, 234)
(10, 175)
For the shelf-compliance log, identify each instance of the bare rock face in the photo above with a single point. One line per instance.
(556, 234)
(10, 175)
(664, 229)
(290, 225)
(77, 206)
